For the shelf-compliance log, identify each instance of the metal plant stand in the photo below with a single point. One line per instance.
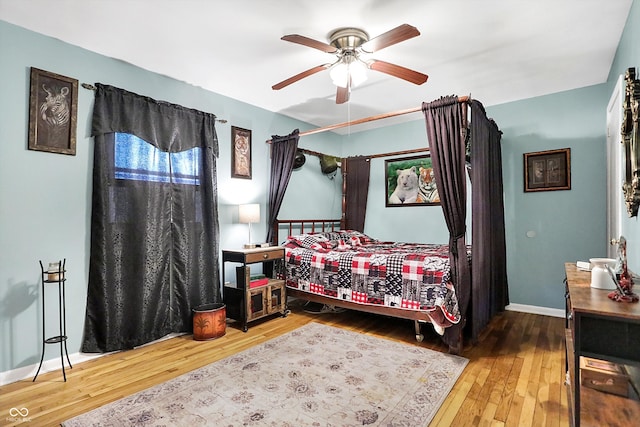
(59, 278)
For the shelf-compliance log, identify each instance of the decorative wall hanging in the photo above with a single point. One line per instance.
(410, 182)
(53, 111)
(299, 160)
(240, 153)
(329, 165)
(547, 170)
(630, 140)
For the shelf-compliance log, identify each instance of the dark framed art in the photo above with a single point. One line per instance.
(547, 170)
(410, 182)
(53, 112)
(240, 153)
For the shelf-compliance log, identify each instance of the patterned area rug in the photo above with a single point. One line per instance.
(317, 375)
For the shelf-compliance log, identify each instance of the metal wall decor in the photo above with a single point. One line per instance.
(630, 141)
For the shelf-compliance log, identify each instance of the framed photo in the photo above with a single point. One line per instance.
(240, 153)
(53, 112)
(410, 182)
(547, 170)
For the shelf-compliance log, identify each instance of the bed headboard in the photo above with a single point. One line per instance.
(300, 226)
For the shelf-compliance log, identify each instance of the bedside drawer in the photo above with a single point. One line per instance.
(264, 256)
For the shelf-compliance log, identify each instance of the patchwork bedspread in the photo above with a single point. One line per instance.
(352, 266)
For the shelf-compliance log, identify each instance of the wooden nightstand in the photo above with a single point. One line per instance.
(244, 303)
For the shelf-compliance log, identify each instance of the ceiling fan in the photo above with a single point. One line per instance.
(348, 44)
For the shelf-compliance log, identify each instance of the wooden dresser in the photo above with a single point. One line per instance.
(599, 328)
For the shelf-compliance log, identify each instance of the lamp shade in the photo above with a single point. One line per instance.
(249, 213)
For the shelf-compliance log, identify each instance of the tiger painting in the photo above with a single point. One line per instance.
(427, 191)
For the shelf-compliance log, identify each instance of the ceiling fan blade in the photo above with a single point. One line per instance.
(306, 41)
(397, 35)
(300, 76)
(398, 71)
(342, 95)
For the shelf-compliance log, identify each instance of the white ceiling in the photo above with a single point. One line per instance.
(497, 51)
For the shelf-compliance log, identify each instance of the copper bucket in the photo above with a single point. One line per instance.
(209, 321)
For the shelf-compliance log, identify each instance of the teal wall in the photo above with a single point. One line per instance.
(45, 199)
(410, 223)
(568, 225)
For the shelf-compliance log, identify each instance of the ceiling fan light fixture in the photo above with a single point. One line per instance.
(339, 74)
(348, 67)
(352, 47)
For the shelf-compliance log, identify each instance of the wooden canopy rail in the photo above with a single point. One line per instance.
(372, 156)
(461, 99)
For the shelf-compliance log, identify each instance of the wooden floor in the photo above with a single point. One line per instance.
(514, 377)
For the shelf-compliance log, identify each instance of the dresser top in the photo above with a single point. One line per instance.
(586, 299)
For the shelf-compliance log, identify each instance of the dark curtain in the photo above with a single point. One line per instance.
(283, 153)
(154, 245)
(444, 120)
(356, 181)
(489, 293)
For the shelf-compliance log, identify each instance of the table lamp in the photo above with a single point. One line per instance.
(248, 214)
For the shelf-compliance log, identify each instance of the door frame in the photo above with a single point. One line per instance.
(614, 165)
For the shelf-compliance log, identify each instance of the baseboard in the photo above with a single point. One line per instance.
(49, 365)
(544, 311)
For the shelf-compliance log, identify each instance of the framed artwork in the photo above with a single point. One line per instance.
(240, 153)
(410, 182)
(53, 112)
(547, 170)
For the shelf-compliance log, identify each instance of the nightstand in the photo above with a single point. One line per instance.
(245, 303)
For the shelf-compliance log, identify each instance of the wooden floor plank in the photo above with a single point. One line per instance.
(515, 374)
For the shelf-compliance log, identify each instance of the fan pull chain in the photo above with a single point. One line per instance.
(349, 117)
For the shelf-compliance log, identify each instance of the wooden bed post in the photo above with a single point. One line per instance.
(343, 218)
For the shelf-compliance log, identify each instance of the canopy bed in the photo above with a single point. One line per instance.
(454, 302)
(349, 269)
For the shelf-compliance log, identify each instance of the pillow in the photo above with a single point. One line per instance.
(324, 241)
(311, 241)
(356, 238)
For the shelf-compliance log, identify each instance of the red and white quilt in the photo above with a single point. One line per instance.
(352, 266)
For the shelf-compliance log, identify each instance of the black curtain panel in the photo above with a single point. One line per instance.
(154, 228)
(356, 180)
(283, 154)
(444, 121)
(489, 294)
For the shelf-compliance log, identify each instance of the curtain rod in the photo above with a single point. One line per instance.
(92, 87)
(461, 99)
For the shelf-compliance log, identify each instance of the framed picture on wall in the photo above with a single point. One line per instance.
(240, 153)
(53, 112)
(547, 170)
(410, 182)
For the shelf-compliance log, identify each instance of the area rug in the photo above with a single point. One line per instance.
(316, 375)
